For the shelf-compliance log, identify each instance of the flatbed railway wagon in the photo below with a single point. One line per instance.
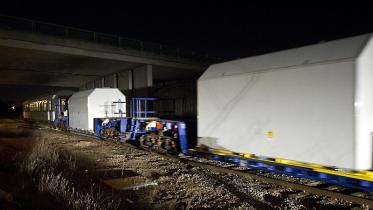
(101, 112)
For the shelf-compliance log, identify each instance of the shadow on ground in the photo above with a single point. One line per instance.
(17, 190)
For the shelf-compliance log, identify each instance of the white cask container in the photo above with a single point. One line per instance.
(312, 104)
(86, 105)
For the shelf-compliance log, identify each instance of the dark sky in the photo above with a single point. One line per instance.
(228, 29)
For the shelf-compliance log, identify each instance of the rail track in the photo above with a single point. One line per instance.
(315, 187)
(318, 188)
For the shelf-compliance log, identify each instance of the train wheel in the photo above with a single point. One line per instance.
(169, 144)
(148, 141)
(103, 134)
(142, 139)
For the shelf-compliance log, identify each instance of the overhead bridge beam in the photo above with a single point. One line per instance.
(81, 48)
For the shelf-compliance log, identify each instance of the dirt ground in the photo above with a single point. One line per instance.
(46, 169)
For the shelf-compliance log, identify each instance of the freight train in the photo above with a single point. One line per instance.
(305, 112)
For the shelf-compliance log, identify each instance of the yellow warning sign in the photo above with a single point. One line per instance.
(269, 135)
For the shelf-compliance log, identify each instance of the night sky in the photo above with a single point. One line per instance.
(228, 29)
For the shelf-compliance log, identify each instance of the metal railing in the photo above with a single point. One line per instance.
(22, 24)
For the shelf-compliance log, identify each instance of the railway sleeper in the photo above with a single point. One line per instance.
(295, 171)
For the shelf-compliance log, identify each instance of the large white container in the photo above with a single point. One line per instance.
(311, 104)
(86, 105)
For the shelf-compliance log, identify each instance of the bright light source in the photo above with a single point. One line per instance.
(13, 107)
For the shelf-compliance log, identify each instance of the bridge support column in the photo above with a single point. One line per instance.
(124, 80)
(136, 82)
(115, 80)
(103, 82)
(111, 81)
(98, 83)
(87, 86)
(143, 80)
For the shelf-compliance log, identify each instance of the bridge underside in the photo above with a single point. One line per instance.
(38, 59)
(19, 66)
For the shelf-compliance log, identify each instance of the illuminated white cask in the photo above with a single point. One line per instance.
(312, 104)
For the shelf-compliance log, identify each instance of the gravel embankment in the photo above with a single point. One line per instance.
(78, 170)
(176, 185)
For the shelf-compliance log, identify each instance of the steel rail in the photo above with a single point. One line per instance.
(288, 184)
(368, 203)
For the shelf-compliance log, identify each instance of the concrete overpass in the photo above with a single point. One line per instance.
(38, 53)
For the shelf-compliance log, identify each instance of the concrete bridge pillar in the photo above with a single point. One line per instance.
(111, 81)
(97, 83)
(124, 80)
(136, 82)
(143, 80)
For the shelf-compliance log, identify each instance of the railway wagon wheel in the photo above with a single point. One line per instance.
(148, 140)
(103, 133)
(109, 133)
(142, 140)
(169, 144)
(113, 133)
(61, 126)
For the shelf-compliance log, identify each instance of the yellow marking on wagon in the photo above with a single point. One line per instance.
(356, 174)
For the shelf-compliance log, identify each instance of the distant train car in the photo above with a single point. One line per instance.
(46, 108)
(312, 104)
